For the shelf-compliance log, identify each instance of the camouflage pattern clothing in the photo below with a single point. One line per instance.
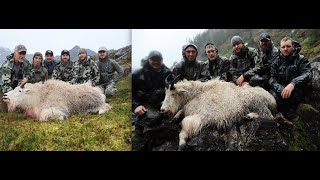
(191, 70)
(110, 73)
(11, 74)
(87, 70)
(38, 75)
(242, 63)
(263, 66)
(219, 68)
(50, 67)
(64, 72)
(295, 69)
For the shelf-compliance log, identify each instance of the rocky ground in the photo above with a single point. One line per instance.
(123, 57)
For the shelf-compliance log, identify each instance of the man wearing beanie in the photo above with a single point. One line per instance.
(38, 72)
(65, 69)
(243, 59)
(108, 69)
(86, 69)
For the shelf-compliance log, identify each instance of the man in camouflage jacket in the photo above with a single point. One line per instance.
(64, 70)
(86, 69)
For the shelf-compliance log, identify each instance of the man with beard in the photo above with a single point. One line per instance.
(64, 70)
(217, 66)
(148, 92)
(190, 68)
(260, 74)
(242, 60)
(290, 74)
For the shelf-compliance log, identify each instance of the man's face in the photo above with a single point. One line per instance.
(102, 54)
(211, 53)
(65, 58)
(20, 56)
(237, 48)
(155, 63)
(265, 45)
(191, 53)
(37, 61)
(49, 57)
(82, 56)
(286, 48)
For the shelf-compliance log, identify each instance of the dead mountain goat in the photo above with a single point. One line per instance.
(215, 103)
(56, 99)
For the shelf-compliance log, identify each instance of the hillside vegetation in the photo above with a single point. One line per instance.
(309, 39)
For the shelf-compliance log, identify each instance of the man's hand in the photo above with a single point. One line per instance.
(244, 83)
(286, 92)
(140, 110)
(240, 80)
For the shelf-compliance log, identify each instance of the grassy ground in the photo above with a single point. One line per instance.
(108, 132)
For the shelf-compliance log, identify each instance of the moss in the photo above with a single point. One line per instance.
(305, 110)
(299, 140)
(300, 136)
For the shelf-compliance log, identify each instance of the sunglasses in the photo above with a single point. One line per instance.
(102, 51)
(22, 53)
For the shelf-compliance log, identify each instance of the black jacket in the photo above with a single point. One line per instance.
(191, 70)
(296, 70)
(219, 67)
(148, 86)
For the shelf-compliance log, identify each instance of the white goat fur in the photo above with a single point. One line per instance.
(56, 99)
(216, 103)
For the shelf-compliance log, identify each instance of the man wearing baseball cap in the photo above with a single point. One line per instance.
(267, 52)
(64, 70)
(108, 69)
(148, 92)
(86, 69)
(15, 70)
(49, 63)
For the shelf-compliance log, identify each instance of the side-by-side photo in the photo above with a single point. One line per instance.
(225, 89)
(65, 90)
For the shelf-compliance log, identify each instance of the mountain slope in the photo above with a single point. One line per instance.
(309, 39)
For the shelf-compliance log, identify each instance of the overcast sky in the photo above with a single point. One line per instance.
(59, 39)
(168, 41)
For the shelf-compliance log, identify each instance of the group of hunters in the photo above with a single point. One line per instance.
(283, 72)
(104, 73)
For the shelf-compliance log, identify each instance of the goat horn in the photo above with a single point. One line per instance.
(22, 84)
(174, 81)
